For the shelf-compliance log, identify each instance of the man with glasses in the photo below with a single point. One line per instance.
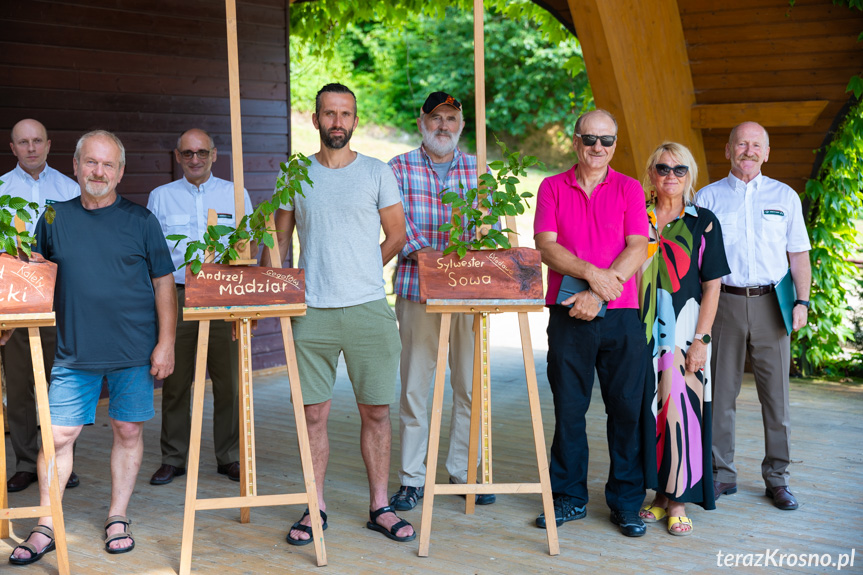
(422, 175)
(764, 233)
(181, 208)
(35, 181)
(591, 224)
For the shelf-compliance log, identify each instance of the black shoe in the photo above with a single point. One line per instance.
(73, 481)
(629, 522)
(407, 497)
(481, 498)
(564, 510)
(21, 481)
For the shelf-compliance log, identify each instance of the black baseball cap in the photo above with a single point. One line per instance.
(438, 99)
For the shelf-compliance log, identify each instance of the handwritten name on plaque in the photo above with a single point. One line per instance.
(218, 285)
(483, 274)
(26, 287)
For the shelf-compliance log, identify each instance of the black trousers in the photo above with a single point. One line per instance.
(615, 347)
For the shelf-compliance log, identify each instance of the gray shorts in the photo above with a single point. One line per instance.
(368, 336)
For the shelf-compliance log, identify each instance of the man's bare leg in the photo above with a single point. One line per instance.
(375, 441)
(126, 455)
(64, 439)
(317, 416)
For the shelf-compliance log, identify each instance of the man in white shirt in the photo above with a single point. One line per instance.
(181, 208)
(35, 181)
(764, 232)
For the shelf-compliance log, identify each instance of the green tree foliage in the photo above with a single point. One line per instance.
(534, 70)
(836, 201)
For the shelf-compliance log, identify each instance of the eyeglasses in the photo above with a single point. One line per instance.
(202, 154)
(665, 169)
(589, 140)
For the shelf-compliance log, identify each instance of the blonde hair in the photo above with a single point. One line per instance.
(680, 153)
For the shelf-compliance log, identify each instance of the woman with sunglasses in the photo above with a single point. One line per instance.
(679, 292)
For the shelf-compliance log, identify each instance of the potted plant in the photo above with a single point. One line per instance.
(219, 283)
(25, 286)
(472, 266)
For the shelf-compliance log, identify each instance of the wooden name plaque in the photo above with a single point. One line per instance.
(26, 287)
(219, 285)
(483, 274)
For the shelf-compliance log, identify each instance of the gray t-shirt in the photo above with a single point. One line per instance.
(339, 229)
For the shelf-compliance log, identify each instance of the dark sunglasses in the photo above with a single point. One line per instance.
(665, 169)
(589, 140)
(202, 154)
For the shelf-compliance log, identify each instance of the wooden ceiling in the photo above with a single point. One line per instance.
(744, 55)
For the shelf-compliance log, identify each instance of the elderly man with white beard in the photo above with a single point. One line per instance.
(423, 174)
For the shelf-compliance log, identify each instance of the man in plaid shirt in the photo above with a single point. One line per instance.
(423, 174)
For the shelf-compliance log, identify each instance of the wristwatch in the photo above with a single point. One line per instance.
(802, 302)
(703, 337)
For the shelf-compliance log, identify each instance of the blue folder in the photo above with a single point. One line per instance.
(571, 286)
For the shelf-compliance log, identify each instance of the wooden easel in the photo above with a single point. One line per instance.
(32, 322)
(243, 316)
(480, 418)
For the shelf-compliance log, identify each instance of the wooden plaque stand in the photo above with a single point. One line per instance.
(32, 322)
(243, 316)
(480, 415)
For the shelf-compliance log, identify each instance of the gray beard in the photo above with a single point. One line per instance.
(433, 145)
(97, 193)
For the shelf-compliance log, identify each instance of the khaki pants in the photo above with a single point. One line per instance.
(223, 367)
(751, 324)
(419, 333)
(21, 393)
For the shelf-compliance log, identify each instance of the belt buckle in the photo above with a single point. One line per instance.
(748, 294)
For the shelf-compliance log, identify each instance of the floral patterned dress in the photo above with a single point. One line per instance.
(677, 414)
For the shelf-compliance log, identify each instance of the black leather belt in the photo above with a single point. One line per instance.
(754, 291)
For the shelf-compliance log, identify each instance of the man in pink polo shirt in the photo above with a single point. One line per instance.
(591, 224)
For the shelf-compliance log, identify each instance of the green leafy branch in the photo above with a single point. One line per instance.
(836, 199)
(482, 207)
(11, 206)
(222, 241)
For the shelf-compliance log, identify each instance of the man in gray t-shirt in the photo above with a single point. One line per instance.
(338, 223)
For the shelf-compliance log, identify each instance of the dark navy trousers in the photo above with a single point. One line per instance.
(616, 346)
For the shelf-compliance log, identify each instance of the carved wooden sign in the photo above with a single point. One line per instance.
(26, 287)
(218, 285)
(483, 274)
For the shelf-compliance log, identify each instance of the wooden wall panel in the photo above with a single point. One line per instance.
(148, 70)
(766, 51)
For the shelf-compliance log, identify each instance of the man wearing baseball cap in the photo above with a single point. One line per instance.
(423, 174)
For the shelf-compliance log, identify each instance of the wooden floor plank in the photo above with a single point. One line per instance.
(827, 450)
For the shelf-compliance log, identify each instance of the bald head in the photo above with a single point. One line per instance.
(579, 124)
(748, 148)
(30, 144)
(196, 153)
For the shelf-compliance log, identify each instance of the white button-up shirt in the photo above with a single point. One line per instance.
(181, 208)
(51, 187)
(761, 222)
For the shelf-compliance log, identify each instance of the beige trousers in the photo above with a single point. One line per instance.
(755, 325)
(419, 332)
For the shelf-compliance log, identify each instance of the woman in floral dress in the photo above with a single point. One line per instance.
(679, 292)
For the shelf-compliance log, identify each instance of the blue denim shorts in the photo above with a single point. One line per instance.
(74, 395)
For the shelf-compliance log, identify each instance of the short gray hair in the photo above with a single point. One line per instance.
(104, 134)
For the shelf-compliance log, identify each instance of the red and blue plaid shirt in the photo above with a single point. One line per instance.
(424, 213)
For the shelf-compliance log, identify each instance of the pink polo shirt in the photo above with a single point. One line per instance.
(593, 228)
